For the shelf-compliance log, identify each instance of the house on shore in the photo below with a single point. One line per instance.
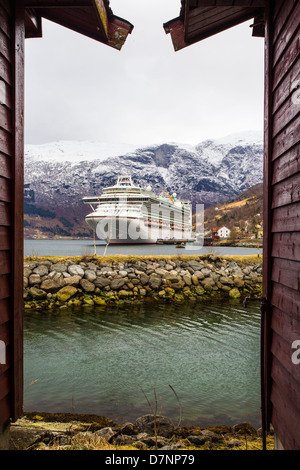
(224, 232)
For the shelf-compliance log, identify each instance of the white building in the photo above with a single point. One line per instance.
(224, 232)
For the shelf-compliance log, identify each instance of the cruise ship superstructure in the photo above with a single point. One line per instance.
(128, 214)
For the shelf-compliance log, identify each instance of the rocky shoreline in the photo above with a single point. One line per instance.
(98, 281)
(46, 431)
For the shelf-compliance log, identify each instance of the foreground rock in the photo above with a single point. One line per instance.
(46, 432)
(91, 281)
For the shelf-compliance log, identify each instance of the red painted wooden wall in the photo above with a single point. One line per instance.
(282, 218)
(11, 208)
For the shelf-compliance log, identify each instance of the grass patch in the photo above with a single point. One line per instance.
(246, 259)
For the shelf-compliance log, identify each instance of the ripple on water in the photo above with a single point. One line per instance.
(97, 361)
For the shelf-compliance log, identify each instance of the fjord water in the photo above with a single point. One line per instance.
(68, 247)
(104, 361)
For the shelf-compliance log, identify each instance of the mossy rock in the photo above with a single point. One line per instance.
(234, 293)
(88, 301)
(65, 293)
(99, 301)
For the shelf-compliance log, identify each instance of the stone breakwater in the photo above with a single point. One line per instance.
(51, 283)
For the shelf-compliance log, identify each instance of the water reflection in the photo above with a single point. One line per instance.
(97, 360)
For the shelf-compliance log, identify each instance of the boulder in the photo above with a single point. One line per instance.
(244, 428)
(42, 270)
(155, 282)
(49, 285)
(102, 282)
(107, 433)
(37, 294)
(117, 283)
(208, 283)
(198, 440)
(72, 280)
(58, 267)
(75, 270)
(146, 424)
(233, 443)
(87, 286)
(34, 279)
(206, 272)
(27, 271)
(90, 275)
(66, 293)
(234, 293)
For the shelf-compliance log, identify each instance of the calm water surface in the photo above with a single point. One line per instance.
(100, 361)
(86, 247)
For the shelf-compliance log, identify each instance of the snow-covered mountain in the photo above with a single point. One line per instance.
(58, 175)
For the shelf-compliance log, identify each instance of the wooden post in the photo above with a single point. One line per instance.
(267, 211)
(17, 211)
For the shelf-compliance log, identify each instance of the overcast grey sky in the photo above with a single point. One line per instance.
(78, 89)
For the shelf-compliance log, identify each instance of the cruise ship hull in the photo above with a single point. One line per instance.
(132, 231)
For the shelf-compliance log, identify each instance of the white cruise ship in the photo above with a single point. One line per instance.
(128, 214)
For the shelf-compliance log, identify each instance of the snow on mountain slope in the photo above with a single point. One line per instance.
(58, 175)
(76, 151)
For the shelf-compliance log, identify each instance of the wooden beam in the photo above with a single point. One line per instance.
(258, 26)
(18, 209)
(102, 15)
(33, 24)
(57, 3)
(237, 3)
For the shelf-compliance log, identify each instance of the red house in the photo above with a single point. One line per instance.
(278, 21)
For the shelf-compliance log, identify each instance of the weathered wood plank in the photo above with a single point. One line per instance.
(286, 114)
(5, 264)
(4, 408)
(286, 272)
(5, 312)
(5, 119)
(5, 215)
(6, 4)
(5, 166)
(5, 333)
(283, 351)
(5, 238)
(286, 165)
(4, 384)
(286, 245)
(286, 139)
(286, 218)
(280, 26)
(5, 142)
(287, 87)
(287, 59)
(240, 3)
(5, 94)
(286, 299)
(282, 432)
(217, 17)
(286, 383)
(287, 327)
(5, 21)
(287, 411)
(5, 290)
(5, 190)
(5, 70)
(277, 9)
(5, 46)
(286, 192)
